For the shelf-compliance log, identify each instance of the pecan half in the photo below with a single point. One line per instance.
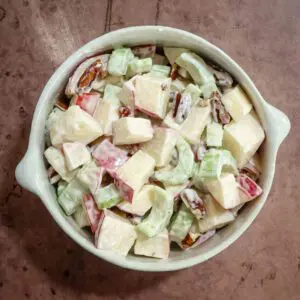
(219, 113)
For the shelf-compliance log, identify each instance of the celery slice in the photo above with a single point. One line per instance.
(160, 214)
(214, 162)
(184, 169)
(111, 94)
(139, 66)
(160, 70)
(107, 197)
(182, 223)
(119, 60)
(196, 66)
(70, 198)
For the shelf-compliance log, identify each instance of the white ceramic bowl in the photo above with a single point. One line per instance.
(31, 171)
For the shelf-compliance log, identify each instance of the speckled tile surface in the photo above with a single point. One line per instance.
(37, 260)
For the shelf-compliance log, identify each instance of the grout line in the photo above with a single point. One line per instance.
(107, 25)
(157, 11)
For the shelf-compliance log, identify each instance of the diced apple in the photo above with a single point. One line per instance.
(134, 173)
(106, 113)
(80, 217)
(74, 125)
(86, 101)
(243, 138)
(131, 130)
(92, 211)
(127, 93)
(224, 190)
(195, 123)
(172, 53)
(141, 203)
(157, 246)
(216, 216)
(214, 134)
(90, 175)
(248, 188)
(115, 233)
(237, 103)
(152, 95)
(161, 146)
(76, 154)
(57, 160)
(109, 156)
(193, 126)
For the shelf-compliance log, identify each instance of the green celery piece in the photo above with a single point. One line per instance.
(214, 162)
(119, 60)
(107, 197)
(181, 224)
(111, 94)
(196, 67)
(208, 88)
(160, 214)
(160, 70)
(139, 66)
(184, 169)
(70, 198)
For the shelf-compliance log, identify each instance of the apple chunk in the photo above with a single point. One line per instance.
(76, 154)
(92, 212)
(157, 246)
(131, 130)
(161, 146)
(152, 95)
(237, 103)
(216, 216)
(109, 156)
(224, 190)
(86, 101)
(106, 113)
(243, 138)
(74, 125)
(141, 202)
(115, 233)
(192, 127)
(133, 174)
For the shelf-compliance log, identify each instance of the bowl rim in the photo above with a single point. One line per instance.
(282, 129)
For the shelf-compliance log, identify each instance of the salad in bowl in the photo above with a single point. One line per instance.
(151, 146)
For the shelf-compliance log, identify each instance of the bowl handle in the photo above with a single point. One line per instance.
(280, 122)
(26, 173)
